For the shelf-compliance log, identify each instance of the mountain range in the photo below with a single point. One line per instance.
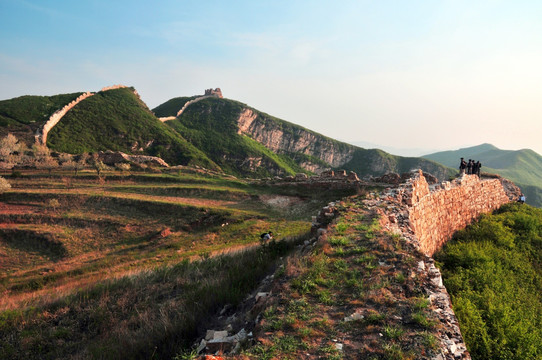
(523, 167)
(215, 133)
(226, 135)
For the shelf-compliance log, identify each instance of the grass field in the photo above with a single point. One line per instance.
(129, 265)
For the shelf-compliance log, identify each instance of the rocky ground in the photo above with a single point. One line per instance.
(355, 291)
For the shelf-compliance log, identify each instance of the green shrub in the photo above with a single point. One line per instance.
(493, 274)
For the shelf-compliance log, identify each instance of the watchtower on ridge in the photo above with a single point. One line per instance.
(214, 92)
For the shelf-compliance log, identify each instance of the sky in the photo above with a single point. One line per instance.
(435, 75)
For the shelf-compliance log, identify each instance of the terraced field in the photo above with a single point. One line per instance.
(73, 247)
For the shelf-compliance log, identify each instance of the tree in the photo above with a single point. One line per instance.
(4, 185)
(8, 148)
(8, 145)
(43, 158)
(81, 163)
(97, 164)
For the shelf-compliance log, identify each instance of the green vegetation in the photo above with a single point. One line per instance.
(523, 167)
(117, 120)
(32, 109)
(492, 271)
(130, 266)
(23, 115)
(211, 126)
(373, 160)
(172, 106)
(348, 298)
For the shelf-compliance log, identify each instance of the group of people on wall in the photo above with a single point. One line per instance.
(472, 167)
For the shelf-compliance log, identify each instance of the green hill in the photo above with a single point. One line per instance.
(209, 134)
(211, 126)
(118, 120)
(23, 115)
(271, 144)
(171, 107)
(523, 167)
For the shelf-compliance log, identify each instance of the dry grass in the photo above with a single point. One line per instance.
(113, 273)
(353, 289)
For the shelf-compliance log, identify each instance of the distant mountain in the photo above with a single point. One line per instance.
(243, 140)
(211, 132)
(523, 167)
(412, 152)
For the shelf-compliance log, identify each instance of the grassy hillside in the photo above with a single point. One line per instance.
(172, 106)
(354, 289)
(211, 126)
(523, 167)
(130, 267)
(378, 162)
(492, 272)
(206, 135)
(117, 120)
(23, 115)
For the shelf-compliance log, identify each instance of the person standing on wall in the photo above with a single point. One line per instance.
(478, 167)
(462, 166)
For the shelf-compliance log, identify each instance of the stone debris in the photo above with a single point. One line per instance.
(354, 317)
(422, 211)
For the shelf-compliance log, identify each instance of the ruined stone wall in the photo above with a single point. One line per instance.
(188, 103)
(214, 92)
(113, 87)
(41, 135)
(208, 93)
(436, 212)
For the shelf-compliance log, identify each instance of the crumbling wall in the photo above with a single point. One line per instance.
(436, 212)
(41, 135)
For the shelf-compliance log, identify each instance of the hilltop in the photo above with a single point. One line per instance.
(242, 140)
(215, 133)
(523, 167)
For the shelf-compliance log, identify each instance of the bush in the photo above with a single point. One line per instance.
(492, 272)
(4, 185)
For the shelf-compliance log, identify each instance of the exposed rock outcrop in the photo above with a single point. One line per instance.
(301, 141)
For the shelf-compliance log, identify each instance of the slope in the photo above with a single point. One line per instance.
(243, 140)
(23, 115)
(118, 120)
(211, 126)
(523, 167)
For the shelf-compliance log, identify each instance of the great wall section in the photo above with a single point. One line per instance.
(41, 134)
(208, 93)
(427, 215)
(413, 206)
(430, 214)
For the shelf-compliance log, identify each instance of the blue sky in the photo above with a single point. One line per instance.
(407, 74)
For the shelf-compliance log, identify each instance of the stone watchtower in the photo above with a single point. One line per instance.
(214, 92)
